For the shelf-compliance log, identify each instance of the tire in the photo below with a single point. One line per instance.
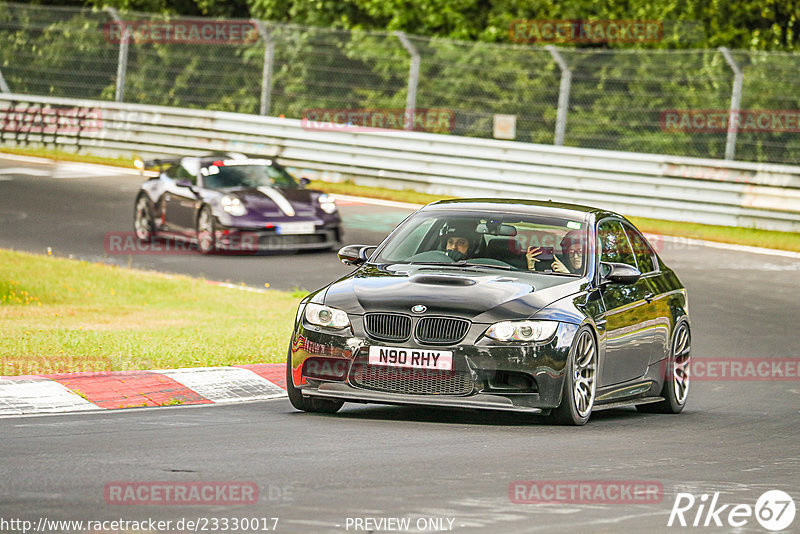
(143, 222)
(306, 404)
(676, 379)
(580, 381)
(206, 232)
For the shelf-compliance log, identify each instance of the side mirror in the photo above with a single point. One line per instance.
(618, 273)
(304, 182)
(355, 255)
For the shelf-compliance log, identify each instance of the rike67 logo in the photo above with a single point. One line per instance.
(774, 511)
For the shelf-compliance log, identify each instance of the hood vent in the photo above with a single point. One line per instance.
(441, 280)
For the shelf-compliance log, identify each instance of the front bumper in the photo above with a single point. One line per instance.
(537, 370)
(248, 240)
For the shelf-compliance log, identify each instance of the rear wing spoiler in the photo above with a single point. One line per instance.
(155, 163)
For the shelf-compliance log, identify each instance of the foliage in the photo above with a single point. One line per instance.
(337, 59)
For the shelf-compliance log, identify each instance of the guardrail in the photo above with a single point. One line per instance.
(646, 185)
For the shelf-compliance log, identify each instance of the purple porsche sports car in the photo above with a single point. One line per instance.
(235, 203)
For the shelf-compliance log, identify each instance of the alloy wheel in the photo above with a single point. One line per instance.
(680, 363)
(584, 370)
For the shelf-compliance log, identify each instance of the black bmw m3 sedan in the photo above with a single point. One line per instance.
(513, 305)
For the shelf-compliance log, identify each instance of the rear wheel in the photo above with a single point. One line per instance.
(676, 380)
(307, 404)
(206, 232)
(143, 223)
(580, 382)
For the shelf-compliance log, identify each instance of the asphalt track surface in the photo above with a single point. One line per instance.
(319, 473)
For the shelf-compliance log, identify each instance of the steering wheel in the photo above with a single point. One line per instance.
(432, 255)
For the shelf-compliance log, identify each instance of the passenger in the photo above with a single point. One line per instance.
(570, 261)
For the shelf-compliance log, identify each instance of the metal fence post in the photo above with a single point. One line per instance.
(563, 94)
(3, 85)
(736, 99)
(122, 60)
(266, 73)
(413, 79)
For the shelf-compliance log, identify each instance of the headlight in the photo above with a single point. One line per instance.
(233, 206)
(326, 316)
(327, 203)
(522, 330)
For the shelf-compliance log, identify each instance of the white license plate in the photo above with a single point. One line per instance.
(296, 228)
(441, 360)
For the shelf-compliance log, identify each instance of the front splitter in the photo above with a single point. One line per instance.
(480, 401)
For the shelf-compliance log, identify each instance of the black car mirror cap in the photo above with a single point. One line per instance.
(304, 182)
(618, 273)
(355, 255)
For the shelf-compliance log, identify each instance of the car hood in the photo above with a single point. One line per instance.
(480, 295)
(276, 201)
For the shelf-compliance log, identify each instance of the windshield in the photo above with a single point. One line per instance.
(224, 174)
(514, 242)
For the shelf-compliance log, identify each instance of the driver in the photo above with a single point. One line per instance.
(461, 240)
(571, 251)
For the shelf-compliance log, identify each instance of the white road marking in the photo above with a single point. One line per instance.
(729, 246)
(81, 170)
(225, 384)
(29, 171)
(24, 396)
(26, 159)
(378, 202)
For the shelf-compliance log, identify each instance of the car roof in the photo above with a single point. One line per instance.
(521, 206)
(207, 159)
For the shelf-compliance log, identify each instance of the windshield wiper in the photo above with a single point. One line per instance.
(461, 265)
(558, 273)
(489, 265)
(439, 263)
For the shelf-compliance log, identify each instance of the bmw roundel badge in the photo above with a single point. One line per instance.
(419, 308)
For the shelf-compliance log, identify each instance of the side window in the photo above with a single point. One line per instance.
(613, 243)
(412, 242)
(179, 172)
(642, 250)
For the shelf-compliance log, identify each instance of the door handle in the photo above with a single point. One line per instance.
(649, 297)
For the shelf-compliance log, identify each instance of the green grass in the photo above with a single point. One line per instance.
(61, 155)
(349, 188)
(59, 315)
(724, 234)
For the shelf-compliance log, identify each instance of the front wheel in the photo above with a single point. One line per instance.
(676, 380)
(580, 382)
(307, 404)
(206, 232)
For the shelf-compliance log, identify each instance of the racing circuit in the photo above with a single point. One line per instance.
(319, 473)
